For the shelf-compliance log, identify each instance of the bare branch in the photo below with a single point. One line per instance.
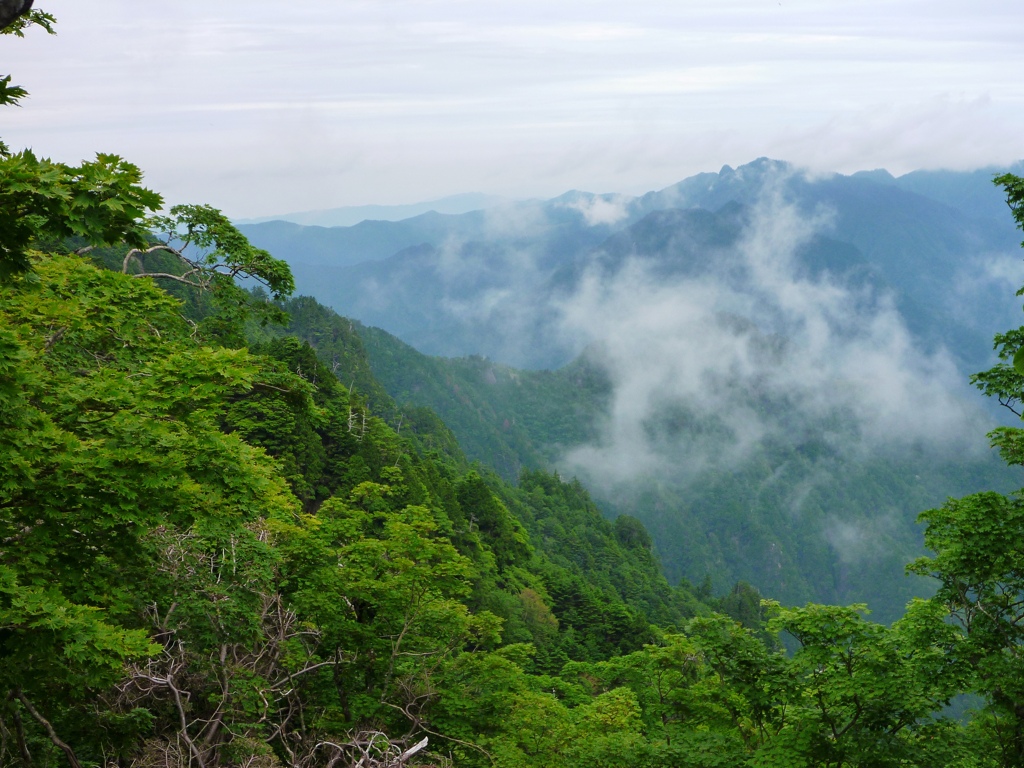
(19, 735)
(304, 670)
(64, 747)
(169, 276)
(136, 252)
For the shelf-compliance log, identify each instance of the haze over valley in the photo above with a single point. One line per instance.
(768, 368)
(511, 385)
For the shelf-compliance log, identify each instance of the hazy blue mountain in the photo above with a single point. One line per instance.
(481, 282)
(776, 364)
(314, 246)
(560, 219)
(971, 193)
(933, 235)
(451, 285)
(348, 216)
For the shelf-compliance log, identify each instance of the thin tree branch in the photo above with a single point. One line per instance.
(66, 748)
(19, 735)
(168, 276)
(142, 252)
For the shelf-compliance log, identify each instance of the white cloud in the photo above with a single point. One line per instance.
(260, 110)
(706, 368)
(691, 80)
(601, 209)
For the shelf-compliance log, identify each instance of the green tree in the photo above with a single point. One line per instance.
(864, 689)
(111, 437)
(979, 562)
(978, 543)
(100, 202)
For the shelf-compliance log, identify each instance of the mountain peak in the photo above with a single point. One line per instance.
(878, 175)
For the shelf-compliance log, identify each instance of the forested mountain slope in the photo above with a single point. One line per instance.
(159, 484)
(203, 541)
(775, 363)
(770, 415)
(799, 518)
(214, 553)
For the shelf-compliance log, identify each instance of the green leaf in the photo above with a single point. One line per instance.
(1018, 360)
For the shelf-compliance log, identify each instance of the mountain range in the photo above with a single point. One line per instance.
(767, 368)
(482, 282)
(347, 216)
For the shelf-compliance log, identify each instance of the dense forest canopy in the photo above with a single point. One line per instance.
(778, 415)
(214, 553)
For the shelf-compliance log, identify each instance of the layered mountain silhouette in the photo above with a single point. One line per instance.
(767, 368)
(482, 282)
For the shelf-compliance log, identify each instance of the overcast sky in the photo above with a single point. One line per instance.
(262, 107)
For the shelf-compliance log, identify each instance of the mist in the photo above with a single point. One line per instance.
(770, 368)
(752, 350)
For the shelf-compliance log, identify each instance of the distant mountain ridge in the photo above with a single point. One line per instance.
(480, 282)
(347, 216)
(776, 364)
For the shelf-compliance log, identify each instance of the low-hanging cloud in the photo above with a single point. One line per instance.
(754, 348)
(601, 209)
(491, 284)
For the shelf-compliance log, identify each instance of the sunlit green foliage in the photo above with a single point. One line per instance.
(214, 553)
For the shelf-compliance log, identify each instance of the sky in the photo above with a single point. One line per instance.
(260, 107)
